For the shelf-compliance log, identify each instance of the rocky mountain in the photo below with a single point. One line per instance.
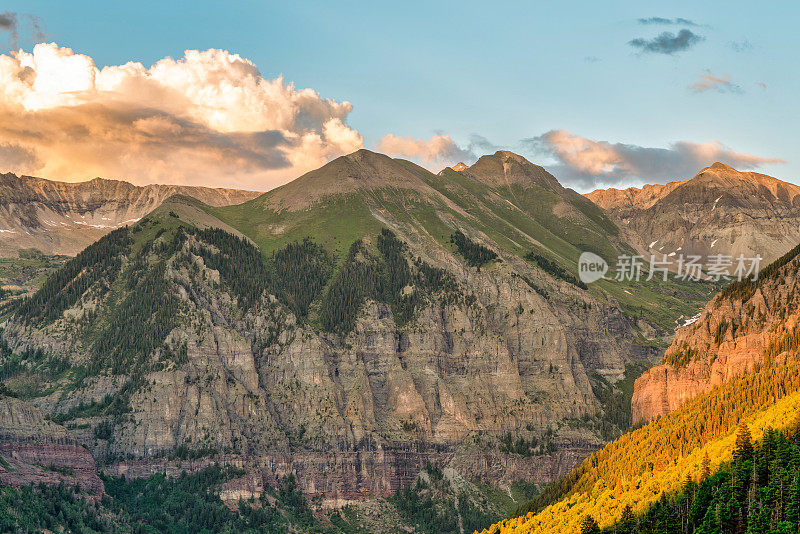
(743, 326)
(719, 211)
(719, 427)
(348, 328)
(64, 218)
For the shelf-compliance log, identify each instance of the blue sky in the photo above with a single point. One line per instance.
(505, 71)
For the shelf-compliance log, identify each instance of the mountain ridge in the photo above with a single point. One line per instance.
(719, 211)
(737, 332)
(65, 217)
(417, 322)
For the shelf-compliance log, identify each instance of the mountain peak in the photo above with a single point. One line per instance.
(460, 166)
(505, 168)
(721, 174)
(718, 165)
(507, 154)
(363, 154)
(357, 172)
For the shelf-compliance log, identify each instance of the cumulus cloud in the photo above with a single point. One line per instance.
(434, 153)
(207, 118)
(667, 22)
(587, 163)
(667, 42)
(710, 82)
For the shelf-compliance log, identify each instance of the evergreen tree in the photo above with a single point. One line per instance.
(744, 444)
(667, 520)
(793, 507)
(589, 525)
(705, 470)
(757, 519)
(627, 523)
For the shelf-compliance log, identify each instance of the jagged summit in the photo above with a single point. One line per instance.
(367, 189)
(24, 185)
(505, 168)
(720, 166)
(725, 175)
(717, 174)
(364, 170)
(703, 215)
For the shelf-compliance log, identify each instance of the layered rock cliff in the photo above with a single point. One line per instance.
(741, 327)
(36, 451)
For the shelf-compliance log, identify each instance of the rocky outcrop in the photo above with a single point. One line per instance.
(64, 218)
(34, 450)
(341, 477)
(719, 211)
(732, 336)
(632, 198)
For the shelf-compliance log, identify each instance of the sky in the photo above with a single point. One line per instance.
(599, 93)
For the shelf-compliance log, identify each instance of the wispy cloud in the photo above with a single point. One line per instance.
(667, 42)
(719, 84)
(741, 46)
(10, 26)
(192, 120)
(480, 145)
(667, 22)
(586, 163)
(437, 152)
(14, 25)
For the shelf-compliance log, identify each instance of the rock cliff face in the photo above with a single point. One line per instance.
(176, 354)
(736, 332)
(34, 451)
(64, 218)
(344, 415)
(719, 211)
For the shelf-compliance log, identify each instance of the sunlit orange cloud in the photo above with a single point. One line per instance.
(434, 153)
(587, 163)
(208, 118)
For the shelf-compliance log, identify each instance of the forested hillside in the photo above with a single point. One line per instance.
(657, 459)
(758, 492)
(649, 477)
(186, 503)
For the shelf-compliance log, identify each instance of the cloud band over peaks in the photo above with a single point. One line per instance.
(208, 118)
(586, 163)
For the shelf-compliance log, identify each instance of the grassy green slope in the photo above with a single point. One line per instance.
(354, 196)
